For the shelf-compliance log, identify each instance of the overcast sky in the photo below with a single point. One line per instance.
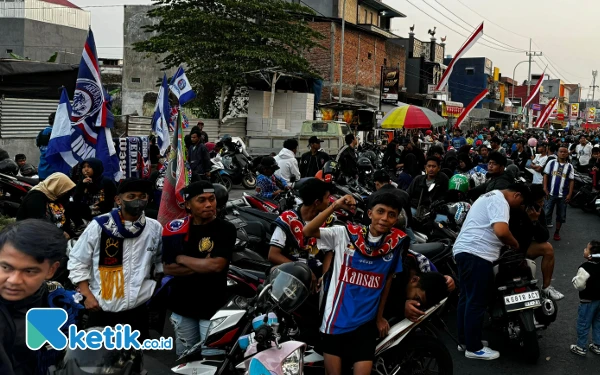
(564, 31)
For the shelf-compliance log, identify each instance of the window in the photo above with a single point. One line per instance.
(9, 51)
(549, 88)
(371, 18)
(366, 16)
(136, 80)
(320, 127)
(369, 55)
(470, 71)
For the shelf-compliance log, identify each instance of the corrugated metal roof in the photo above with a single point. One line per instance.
(64, 3)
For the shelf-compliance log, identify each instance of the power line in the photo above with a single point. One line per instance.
(484, 36)
(551, 62)
(465, 36)
(490, 21)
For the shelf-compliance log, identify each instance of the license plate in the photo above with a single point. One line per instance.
(597, 202)
(522, 300)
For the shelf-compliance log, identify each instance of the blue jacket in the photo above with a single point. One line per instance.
(266, 186)
(44, 168)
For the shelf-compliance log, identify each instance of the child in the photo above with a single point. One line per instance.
(587, 282)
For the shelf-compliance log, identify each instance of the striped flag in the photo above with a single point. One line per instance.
(478, 33)
(470, 107)
(162, 115)
(60, 152)
(181, 87)
(545, 114)
(535, 90)
(172, 203)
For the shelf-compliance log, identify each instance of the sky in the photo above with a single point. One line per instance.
(566, 34)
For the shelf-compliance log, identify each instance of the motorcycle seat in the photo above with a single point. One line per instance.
(260, 214)
(430, 250)
(30, 181)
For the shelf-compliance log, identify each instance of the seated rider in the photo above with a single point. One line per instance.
(26, 263)
(268, 185)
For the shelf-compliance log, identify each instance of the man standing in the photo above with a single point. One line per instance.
(419, 188)
(521, 154)
(495, 143)
(112, 262)
(43, 138)
(383, 185)
(584, 153)
(347, 157)
(458, 141)
(198, 156)
(478, 245)
(558, 184)
(539, 163)
(286, 160)
(203, 134)
(197, 252)
(313, 160)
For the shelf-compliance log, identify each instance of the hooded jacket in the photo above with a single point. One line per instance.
(288, 165)
(310, 164)
(99, 193)
(419, 185)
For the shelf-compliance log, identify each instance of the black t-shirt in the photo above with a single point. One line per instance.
(200, 295)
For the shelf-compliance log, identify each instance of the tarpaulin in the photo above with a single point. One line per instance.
(36, 80)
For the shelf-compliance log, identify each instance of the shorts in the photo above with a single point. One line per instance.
(355, 346)
(561, 209)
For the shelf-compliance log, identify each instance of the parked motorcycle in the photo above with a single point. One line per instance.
(237, 163)
(12, 191)
(218, 174)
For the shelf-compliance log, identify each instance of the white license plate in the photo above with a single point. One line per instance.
(521, 297)
(597, 201)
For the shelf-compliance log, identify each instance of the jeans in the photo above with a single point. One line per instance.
(189, 332)
(589, 317)
(475, 276)
(561, 209)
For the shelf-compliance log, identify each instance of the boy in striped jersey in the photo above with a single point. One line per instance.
(558, 184)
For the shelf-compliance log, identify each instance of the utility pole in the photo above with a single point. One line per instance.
(530, 54)
(593, 86)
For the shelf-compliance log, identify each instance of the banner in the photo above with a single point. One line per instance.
(545, 114)
(574, 110)
(535, 89)
(134, 157)
(470, 107)
(391, 84)
(591, 114)
(478, 33)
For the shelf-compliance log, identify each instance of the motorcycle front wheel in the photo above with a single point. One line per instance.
(416, 354)
(530, 347)
(249, 180)
(225, 181)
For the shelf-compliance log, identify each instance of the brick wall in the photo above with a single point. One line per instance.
(364, 54)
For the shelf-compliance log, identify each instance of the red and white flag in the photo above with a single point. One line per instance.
(478, 33)
(535, 90)
(471, 105)
(545, 114)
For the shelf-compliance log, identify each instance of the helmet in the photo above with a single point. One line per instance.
(478, 178)
(101, 361)
(222, 195)
(226, 138)
(513, 170)
(330, 167)
(28, 170)
(364, 164)
(457, 212)
(459, 182)
(492, 129)
(371, 156)
(547, 312)
(290, 285)
(532, 142)
(9, 166)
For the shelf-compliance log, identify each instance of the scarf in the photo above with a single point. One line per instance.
(110, 265)
(384, 246)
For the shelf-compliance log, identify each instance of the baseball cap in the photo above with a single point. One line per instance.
(381, 176)
(314, 139)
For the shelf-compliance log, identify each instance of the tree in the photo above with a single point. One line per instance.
(218, 41)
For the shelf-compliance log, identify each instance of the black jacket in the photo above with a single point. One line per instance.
(592, 285)
(100, 192)
(526, 231)
(419, 185)
(15, 357)
(199, 159)
(402, 196)
(520, 159)
(310, 164)
(348, 161)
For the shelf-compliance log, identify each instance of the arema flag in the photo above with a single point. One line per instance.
(172, 203)
(162, 115)
(91, 113)
(181, 87)
(60, 153)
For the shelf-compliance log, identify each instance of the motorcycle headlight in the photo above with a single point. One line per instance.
(293, 365)
(214, 324)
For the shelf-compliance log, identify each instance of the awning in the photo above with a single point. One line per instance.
(384, 10)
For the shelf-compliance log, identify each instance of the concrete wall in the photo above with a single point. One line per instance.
(21, 146)
(465, 87)
(325, 8)
(11, 36)
(137, 64)
(43, 39)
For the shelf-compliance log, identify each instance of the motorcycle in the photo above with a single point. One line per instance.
(218, 174)
(237, 164)
(12, 191)
(519, 307)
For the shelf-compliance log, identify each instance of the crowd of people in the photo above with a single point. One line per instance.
(363, 272)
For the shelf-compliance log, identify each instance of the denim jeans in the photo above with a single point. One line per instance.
(189, 332)
(589, 317)
(475, 276)
(561, 209)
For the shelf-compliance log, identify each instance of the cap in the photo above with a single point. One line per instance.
(269, 162)
(196, 188)
(381, 176)
(314, 139)
(135, 184)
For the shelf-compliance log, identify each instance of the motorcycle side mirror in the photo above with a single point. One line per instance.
(431, 187)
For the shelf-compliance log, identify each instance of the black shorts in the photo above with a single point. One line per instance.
(355, 346)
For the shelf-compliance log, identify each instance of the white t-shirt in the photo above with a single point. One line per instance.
(279, 238)
(540, 160)
(584, 153)
(477, 235)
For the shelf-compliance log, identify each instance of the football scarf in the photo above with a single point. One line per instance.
(387, 244)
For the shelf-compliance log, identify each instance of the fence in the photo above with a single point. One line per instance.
(24, 118)
(141, 126)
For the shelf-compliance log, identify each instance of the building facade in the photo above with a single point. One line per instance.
(38, 30)
(470, 76)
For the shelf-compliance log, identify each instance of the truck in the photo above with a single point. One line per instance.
(332, 134)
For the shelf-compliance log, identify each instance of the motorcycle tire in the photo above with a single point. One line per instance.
(530, 347)
(414, 352)
(578, 200)
(249, 181)
(225, 181)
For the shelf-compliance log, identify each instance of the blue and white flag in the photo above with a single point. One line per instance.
(162, 115)
(181, 87)
(59, 153)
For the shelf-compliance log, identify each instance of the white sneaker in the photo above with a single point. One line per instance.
(549, 225)
(461, 348)
(553, 294)
(485, 353)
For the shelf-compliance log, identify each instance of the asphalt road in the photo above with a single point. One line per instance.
(555, 357)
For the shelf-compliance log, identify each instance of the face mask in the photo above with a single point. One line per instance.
(135, 207)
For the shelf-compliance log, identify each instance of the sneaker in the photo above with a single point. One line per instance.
(549, 225)
(577, 350)
(595, 348)
(556, 237)
(485, 353)
(553, 294)
(461, 348)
